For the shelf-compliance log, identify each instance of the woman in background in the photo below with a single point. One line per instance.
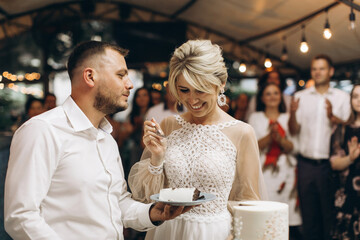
(141, 104)
(275, 77)
(345, 159)
(270, 123)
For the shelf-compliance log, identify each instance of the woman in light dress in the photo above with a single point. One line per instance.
(204, 148)
(270, 123)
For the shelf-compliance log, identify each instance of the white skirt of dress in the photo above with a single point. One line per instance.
(185, 229)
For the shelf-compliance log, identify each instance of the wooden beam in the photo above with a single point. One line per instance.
(183, 9)
(350, 4)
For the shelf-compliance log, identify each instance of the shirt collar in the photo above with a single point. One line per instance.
(313, 90)
(79, 120)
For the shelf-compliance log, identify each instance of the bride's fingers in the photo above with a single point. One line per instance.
(151, 139)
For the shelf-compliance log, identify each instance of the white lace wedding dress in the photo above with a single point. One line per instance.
(221, 159)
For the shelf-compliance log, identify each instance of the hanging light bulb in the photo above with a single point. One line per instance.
(327, 32)
(267, 63)
(304, 47)
(352, 18)
(242, 67)
(284, 52)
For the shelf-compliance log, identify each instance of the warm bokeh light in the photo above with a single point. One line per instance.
(163, 74)
(242, 67)
(268, 63)
(301, 83)
(327, 33)
(20, 77)
(304, 47)
(157, 86)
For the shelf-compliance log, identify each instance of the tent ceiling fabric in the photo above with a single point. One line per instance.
(229, 22)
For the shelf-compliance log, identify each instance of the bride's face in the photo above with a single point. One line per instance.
(198, 103)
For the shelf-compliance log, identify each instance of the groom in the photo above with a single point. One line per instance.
(65, 179)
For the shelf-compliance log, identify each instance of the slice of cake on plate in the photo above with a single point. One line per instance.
(179, 194)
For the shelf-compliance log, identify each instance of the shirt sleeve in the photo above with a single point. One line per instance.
(134, 214)
(32, 163)
(346, 108)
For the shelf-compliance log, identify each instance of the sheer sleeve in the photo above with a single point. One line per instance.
(249, 182)
(144, 183)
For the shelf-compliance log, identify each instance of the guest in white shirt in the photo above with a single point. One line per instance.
(165, 109)
(313, 113)
(65, 179)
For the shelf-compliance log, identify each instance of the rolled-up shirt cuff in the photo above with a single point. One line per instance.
(144, 218)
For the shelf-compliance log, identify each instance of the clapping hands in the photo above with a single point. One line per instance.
(274, 132)
(354, 149)
(294, 105)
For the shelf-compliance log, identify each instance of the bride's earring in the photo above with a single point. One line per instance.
(221, 98)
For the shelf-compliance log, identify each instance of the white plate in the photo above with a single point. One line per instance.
(207, 197)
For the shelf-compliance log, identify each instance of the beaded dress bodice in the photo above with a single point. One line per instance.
(202, 156)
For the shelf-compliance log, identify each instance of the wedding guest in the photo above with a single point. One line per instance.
(165, 109)
(345, 159)
(142, 103)
(204, 148)
(270, 123)
(241, 106)
(273, 76)
(49, 101)
(156, 96)
(33, 107)
(313, 113)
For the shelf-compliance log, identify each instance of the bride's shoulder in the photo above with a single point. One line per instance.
(239, 127)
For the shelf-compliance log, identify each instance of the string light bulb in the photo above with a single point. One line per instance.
(267, 63)
(352, 17)
(242, 67)
(304, 46)
(327, 32)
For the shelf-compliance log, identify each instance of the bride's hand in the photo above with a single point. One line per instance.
(155, 141)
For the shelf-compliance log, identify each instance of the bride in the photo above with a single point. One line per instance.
(204, 148)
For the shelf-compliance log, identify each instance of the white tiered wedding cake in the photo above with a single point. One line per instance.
(260, 220)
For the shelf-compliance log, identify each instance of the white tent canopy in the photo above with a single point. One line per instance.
(246, 29)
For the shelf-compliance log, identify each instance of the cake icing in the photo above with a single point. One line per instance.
(260, 220)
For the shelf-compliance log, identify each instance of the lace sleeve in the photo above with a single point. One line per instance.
(145, 179)
(249, 182)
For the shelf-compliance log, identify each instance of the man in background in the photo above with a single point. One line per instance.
(313, 113)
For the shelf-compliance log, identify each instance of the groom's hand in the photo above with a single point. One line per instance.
(160, 212)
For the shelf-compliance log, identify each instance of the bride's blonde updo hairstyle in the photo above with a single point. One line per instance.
(202, 65)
